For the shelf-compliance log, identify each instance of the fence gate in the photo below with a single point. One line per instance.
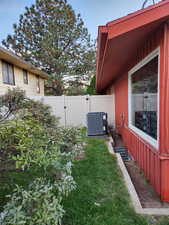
(72, 110)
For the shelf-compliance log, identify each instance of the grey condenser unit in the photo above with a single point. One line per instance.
(97, 123)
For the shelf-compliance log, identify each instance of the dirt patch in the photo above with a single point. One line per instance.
(147, 195)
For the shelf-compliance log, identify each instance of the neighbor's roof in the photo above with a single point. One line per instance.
(119, 39)
(14, 59)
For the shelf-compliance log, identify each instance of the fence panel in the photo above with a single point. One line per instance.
(103, 103)
(57, 105)
(76, 110)
(72, 110)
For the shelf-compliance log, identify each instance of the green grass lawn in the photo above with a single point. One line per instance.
(101, 197)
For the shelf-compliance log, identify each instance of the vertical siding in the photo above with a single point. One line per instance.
(149, 159)
(164, 93)
(30, 88)
(144, 154)
(164, 114)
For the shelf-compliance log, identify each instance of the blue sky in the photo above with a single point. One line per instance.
(93, 12)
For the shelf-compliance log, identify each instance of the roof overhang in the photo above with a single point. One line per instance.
(119, 40)
(17, 61)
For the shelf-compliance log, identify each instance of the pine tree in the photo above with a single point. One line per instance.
(52, 37)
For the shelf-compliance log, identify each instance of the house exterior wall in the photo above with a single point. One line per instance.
(154, 162)
(30, 88)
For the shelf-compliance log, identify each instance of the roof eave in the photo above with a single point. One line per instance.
(139, 20)
(17, 61)
(101, 44)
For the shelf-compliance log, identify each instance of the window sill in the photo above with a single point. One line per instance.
(9, 84)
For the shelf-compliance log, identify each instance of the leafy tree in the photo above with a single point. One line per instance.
(52, 37)
(91, 90)
(145, 2)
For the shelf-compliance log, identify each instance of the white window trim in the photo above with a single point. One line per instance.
(146, 137)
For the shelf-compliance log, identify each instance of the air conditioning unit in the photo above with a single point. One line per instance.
(97, 123)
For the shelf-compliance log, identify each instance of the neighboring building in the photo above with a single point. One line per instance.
(15, 72)
(133, 63)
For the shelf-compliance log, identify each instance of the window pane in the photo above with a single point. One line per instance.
(144, 85)
(38, 84)
(25, 77)
(11, 74)
(5, 72)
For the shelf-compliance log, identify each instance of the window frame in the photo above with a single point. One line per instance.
(8, 64)
(152, 141)
(26, 72)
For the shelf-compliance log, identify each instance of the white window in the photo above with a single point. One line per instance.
(143, 98)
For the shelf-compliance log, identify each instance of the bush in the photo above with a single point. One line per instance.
(38, 111)
(10, 103)
(32, 139)
(15, 104)
(37, 205)
(27, 142)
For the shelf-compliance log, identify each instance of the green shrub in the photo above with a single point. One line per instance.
(29, 143)
(31, 138)
(70, 139)
(15, 104)
(10, 103)
(38, 111)
(37, 205)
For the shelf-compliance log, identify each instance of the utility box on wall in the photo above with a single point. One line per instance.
(97, 123)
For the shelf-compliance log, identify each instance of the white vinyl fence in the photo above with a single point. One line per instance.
(144, 102)
(72, 110)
